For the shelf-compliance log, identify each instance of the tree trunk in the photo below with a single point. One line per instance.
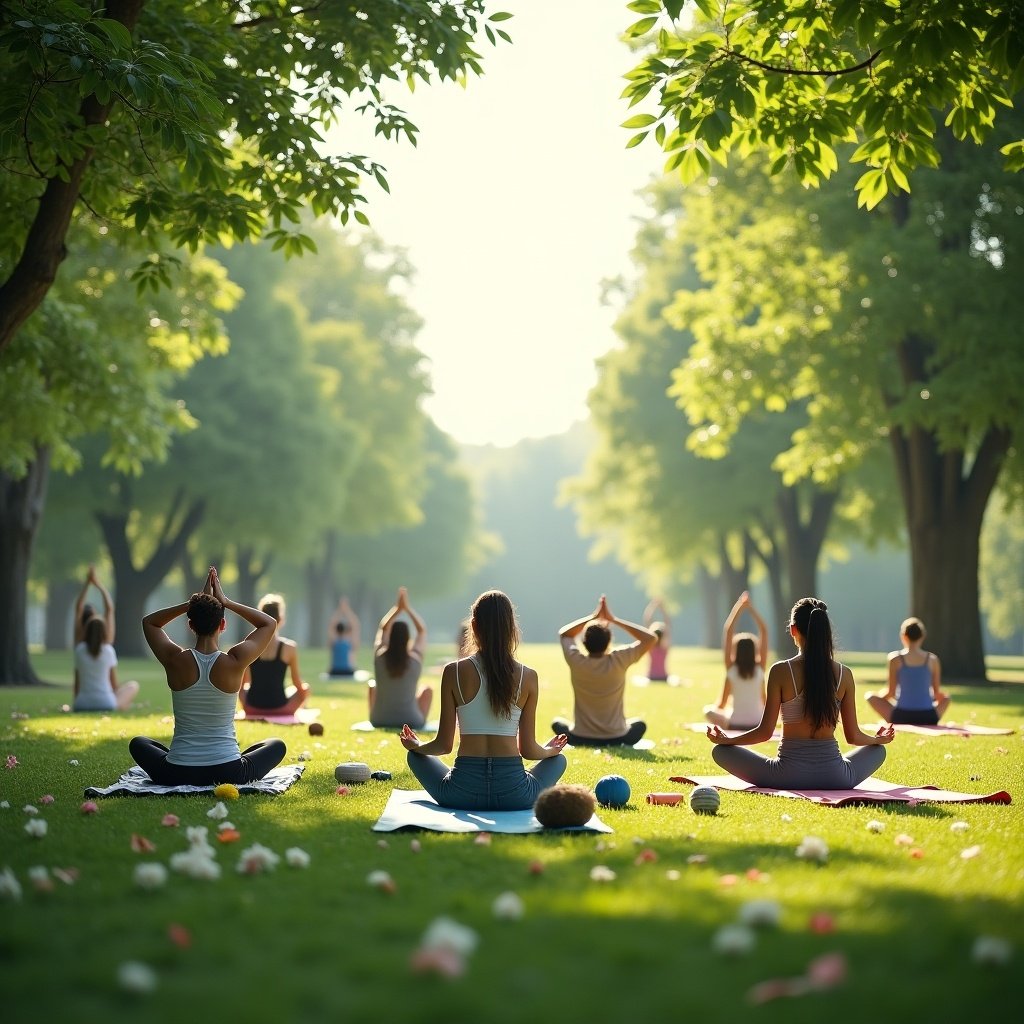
(945, 495)
(711, 602)
(60, 596)
(735, 578)
(21, 510)
(319, 584)
(249, 575)
(133, 586)
(804, 536)
(768, 552)
(33, 274)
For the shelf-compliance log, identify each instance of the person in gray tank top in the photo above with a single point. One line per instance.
(204, 683)
(397, 663)
(812, 692)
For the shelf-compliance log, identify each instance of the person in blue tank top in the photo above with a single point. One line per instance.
(204, 683)
(343, 640)
(493, 699)
(914, 695)
(812, 692)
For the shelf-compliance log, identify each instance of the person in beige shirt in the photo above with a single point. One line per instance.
(598, 678)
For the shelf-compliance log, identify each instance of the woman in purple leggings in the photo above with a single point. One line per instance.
(812, 692)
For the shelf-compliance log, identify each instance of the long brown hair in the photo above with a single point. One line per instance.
(497, 636)
(746, 655)
(810, 617)
(95, 635)
(396, 655)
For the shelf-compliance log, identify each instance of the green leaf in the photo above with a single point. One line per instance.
(500, 16)
(639, 121)
(637, 139)
(641, 27)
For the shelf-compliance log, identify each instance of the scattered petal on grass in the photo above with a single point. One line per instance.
(875, 826)
(304, 756)
(196, 863)
(647, 856)
(12, 761)
(89, 807)
(917, 853)
(821, 923)
(601, 873)
(381, 880)
(36, 827)
(136, 977)
(757, 875)
(535, 867)
(813, 848)
(672, 875)
(415, 846)
(296, 858)
(218, 812)
(970, 853)
(224, 826)
(343, 791)
(149, 875)
(733, 940)
(5, 805)
(40, 879)
(989, 949)
(225, 791)
(140, 844)
(959, 826)
(728, 880)
(482, 839)
(66, 875)
(823, 973)
(257, 859)
(47, 799)
(179, 935)
(508, 907)
(760, 914)
(30, 809)
(444, 933)
(73, 762)
(442, 961)
(785, 817)
(382, 844)
(228, 835)
(10, 887)
(697, 858)
(170, 821)
(904, 840)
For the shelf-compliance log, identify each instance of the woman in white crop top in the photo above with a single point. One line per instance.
(493, 699)
(812, 692)
(204, 683)
(746, 657)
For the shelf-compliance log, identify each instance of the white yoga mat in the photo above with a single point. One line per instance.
(135, 782)
(414, 808)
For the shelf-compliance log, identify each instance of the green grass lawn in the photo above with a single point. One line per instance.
(320, 944)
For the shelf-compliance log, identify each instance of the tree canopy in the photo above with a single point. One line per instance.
(196, 122)
(796, 79)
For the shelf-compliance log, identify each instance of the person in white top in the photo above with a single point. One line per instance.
(746, 658)
(204, 683)
(493, 699)
(96, 687)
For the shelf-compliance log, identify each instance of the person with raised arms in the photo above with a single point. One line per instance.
(204, 683)
(745, 659)
(397, 664)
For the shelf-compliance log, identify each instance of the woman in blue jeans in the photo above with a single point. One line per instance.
(493, 698)
(812, 693)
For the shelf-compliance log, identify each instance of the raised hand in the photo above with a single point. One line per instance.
(885, 734)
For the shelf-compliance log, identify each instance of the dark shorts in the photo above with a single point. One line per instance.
(914, 716)
(342, 672)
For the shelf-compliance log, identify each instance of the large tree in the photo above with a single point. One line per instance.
(796, 79)
(174, 124)
(895, 326)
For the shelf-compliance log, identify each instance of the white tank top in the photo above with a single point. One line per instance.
(746, 694)
(204, 720)
(477, 718)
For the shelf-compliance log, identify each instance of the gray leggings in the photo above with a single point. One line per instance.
(801, 764)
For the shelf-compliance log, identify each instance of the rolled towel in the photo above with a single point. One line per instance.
(352, 771)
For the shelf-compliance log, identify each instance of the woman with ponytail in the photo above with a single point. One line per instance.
(493, 699)
(812, 691)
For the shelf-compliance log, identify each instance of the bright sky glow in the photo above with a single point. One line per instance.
(518, 201)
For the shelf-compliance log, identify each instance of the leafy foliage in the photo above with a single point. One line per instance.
(795, 79)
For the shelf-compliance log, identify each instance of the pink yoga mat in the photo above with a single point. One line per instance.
(951, 729)
(301, 717)
(871, 790)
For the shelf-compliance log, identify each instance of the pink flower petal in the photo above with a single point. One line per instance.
(12, 761)
(48, 799)
(140, 844)
(170, 821)
(821, 923)
(728, 880)
(179, 935)
(66, 875)
(442, 960)
(89, 807)
(535, 867)
(482, 839)
(827, 971)
(343, 791)
(647, 856)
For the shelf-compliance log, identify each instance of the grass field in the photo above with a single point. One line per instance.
(320, 944)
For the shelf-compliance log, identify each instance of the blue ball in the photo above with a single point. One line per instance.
(612, 791)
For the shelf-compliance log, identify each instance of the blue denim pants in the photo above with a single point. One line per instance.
(485, 783)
